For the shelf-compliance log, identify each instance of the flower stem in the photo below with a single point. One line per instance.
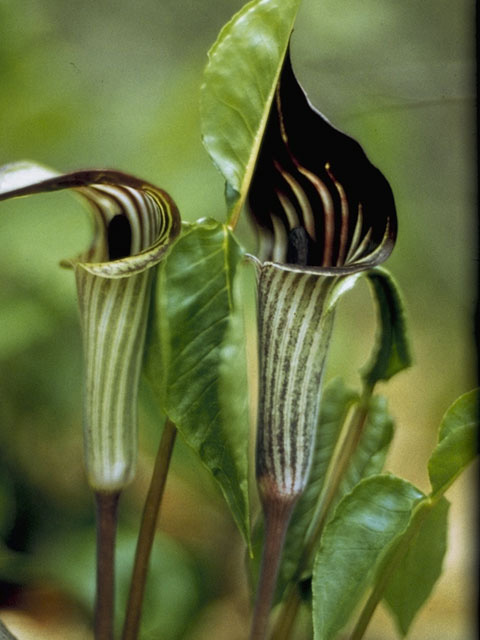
(277, 517)
(147, 532)
(106, 504)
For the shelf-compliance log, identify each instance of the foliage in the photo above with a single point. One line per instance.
(238, 89)
(196, 329)
(191, 331)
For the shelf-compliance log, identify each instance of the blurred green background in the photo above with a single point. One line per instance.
(116, 84)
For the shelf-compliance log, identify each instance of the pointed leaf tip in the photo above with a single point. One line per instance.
(420, 565)
(458, 441)
(366, 523)
(239, 83)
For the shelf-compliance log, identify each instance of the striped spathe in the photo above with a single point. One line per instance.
(323, 214)
(294, 325)
(134, 225)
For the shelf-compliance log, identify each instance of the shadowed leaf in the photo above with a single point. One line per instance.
(171, 597)
(392, 352)
(367, 459)
(336, 401)
(369, 456)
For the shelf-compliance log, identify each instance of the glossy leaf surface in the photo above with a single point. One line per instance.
(186, 356)
(458, 442)
(413, 577)
(239, 85)
(365, 523)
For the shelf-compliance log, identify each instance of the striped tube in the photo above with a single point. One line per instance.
(295, 322)
(135, 224)
(113, 314)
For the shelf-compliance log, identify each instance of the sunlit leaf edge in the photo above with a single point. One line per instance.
(237, 43)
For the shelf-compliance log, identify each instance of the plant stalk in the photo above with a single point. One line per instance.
(277, 517)
(339, 468)
(106, 505)
(147, 532)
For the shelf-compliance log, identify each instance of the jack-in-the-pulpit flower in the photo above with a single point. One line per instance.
(323, 214)
(134, 225)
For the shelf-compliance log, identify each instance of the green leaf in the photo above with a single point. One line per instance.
(392, 352)
(366, 522)
(464, 411)
(172, 591)
(239, 85)
(418, 569)
(457, 444)
(368, 459)
(233, 380)
(413, 562)
(189, 340)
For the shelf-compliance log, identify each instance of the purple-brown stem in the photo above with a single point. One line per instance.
(106, 504)
(278, 511)
(147, 532)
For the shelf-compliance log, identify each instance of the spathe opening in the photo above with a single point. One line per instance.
(119, 237)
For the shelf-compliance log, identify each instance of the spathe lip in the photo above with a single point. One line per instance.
(319, 271)
(108, 193)
(319, 204)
